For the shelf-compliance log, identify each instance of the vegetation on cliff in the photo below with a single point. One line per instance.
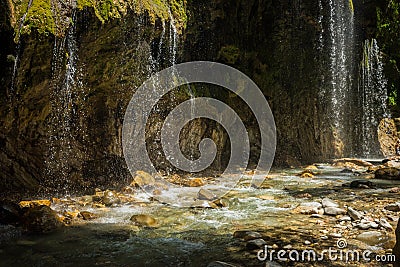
(388, 33)
(42, 15)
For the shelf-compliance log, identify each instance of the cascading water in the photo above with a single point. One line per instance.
(372, 87)
(63, 106)
(336, 40)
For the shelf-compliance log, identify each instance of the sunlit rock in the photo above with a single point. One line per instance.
(144, 220)
(34, 203)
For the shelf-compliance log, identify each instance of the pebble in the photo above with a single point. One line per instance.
(334, 211)
(364, 225)
(251, 235)
(205, 194)
(86, 215)
(354, 214)
(307, 242)
(393, 207)
(345, 218)
(374, 225)
(394, 190)
(255, 244)
(327, 202)
(336, 235)
(385, 224)
(144, 220)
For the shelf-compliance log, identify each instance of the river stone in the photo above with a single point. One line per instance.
(144, 220)
(385, 224)
(41, 219)
(389, 173)
(344, 162)
(110, 198)
(251, 235)
(364, 225)
(334, 211)
(371, 238)
(195, 182)
(255, 244)
(35, 203)
(345, 218)
(363, 184)
(393, 207)
(327, 202)
(396, 249)
(311, 204)
(205, 194)
(87, 215)
(354, 214)
(143, 178)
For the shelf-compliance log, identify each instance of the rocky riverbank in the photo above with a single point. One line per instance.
(339, 202)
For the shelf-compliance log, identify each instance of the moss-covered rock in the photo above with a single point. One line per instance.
(54, 17)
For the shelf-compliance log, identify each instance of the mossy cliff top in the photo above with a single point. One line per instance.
(53, 17)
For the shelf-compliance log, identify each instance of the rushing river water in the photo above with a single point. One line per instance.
(198, 236)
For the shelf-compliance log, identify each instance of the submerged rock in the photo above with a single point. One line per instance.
(144, 220)
(362, 184)
(389, 173)
(41, 219)
(371, 238)
(306, 174)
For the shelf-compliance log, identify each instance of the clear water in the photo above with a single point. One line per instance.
(185, 236)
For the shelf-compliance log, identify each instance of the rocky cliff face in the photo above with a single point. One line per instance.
(63, 103)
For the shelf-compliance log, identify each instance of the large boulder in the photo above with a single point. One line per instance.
(388, 136)
(396, 249)
(41, 219)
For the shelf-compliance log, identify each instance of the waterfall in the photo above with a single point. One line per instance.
(372, 87)
(336, 41)
(341, 33)
(66, 83)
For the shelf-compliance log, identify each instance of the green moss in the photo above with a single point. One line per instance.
(41, 17)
